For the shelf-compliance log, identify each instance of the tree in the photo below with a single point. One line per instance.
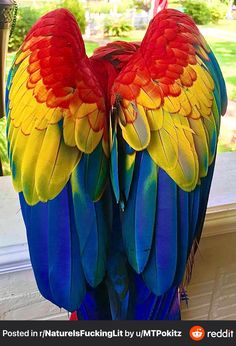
(143, 5)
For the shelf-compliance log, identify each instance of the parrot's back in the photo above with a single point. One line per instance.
(113, 158)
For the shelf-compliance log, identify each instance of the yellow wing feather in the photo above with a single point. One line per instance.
(179, 131)
(56, 112)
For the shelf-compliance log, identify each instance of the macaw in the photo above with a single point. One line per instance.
(113, 158)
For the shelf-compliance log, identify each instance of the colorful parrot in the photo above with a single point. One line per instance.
(113, 158)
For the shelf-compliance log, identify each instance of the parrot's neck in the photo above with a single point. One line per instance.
(106, 74)
(108, 61)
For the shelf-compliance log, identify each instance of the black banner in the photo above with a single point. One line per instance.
(118, 333)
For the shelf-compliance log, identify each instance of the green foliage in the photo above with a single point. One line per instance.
(26, 17)
(116, 27)
(227, 2)
(124, 5)
(78, 11)
(99, 7)
(3, 147)
(205, 12)
(90, 47)
(198, 10)
(216, 15)
(218, 10)
(142, 5)
(233, 95)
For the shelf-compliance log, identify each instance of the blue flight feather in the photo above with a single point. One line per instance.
(96, 172)
(184, 225)
(126, 176)
(114, 167)
(65, 272)
(161, 267)
(92, 224)
(139, 215)
(193, 214)
(36, 222)
(217, 71)
(95, 305)
(204, 196)
(53, 246)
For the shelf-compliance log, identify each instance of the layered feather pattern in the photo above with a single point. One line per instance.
(167, 96)
(113, 157)
(56, 108)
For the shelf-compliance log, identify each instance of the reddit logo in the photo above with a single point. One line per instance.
(197, 333)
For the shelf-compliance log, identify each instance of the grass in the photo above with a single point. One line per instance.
(132, 36)
(90, 46)
(225, 148)
(224, 25)
(225, 52)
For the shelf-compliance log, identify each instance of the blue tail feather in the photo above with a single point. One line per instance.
(36, 222)
(92, 225)
(184, 225)
(139, 216)
(161, 267)
(53, 246)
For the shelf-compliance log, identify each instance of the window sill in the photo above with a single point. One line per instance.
(14, 258)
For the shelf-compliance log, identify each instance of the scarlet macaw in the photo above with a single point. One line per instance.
(113, 158)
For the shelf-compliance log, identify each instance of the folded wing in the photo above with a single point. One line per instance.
(168, 100)
(58, 150)
(56, 108)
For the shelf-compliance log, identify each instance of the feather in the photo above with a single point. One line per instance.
(139, 215)
(52, 87)
(95, 305)
(137, 134)
(114, 167)
(36, 222)
(163, 147)
(117, 281)
(50, 178)
(201, 146)
(184, 229)
(86, 139)
(96, 172)
(204, 191)
(29, 166)
(127, 164)
(92, 224)
(65, 272)
(121, 254)
(211, 135)
(161, 267)
(215, 70)
(53, 246)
